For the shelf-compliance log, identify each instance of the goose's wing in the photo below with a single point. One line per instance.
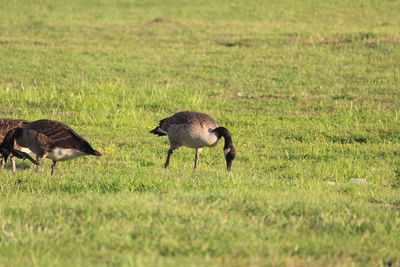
(189, 118)
(60, 135)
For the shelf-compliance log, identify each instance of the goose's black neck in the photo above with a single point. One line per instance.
(8, 141)
(223, 132)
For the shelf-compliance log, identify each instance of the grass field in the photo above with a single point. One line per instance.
(309, 89)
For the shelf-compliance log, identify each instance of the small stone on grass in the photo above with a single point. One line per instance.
(358, 181)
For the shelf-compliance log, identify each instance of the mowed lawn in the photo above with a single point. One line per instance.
(309, 89)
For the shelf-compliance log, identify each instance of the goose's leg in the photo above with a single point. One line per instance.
(53, 167)
(3, 163)
(13, 166)
(170, 151)
(197, 157)
(4, 160)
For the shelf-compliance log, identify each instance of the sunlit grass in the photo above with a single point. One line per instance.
(309, 89)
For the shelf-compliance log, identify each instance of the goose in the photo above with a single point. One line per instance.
(50, 139)
(194, 130)
(7, 125)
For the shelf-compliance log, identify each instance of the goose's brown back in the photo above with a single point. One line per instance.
(49, 134)
(188, 118)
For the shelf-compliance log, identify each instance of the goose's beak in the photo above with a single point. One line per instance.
(230, 155)
(229, 165)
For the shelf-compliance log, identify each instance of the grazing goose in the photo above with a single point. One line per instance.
(7, 125)
(195, 130)
(50, 139)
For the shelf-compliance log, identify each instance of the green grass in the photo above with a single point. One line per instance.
(319, 102)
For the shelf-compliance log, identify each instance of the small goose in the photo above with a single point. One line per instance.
(195, 130)
(7, 125)
(51, 139)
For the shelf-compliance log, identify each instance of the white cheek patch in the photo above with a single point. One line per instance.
(26, 150)
(226, 151)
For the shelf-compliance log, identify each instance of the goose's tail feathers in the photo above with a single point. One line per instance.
(158, 131)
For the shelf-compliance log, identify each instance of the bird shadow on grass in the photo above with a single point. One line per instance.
(19, 165)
